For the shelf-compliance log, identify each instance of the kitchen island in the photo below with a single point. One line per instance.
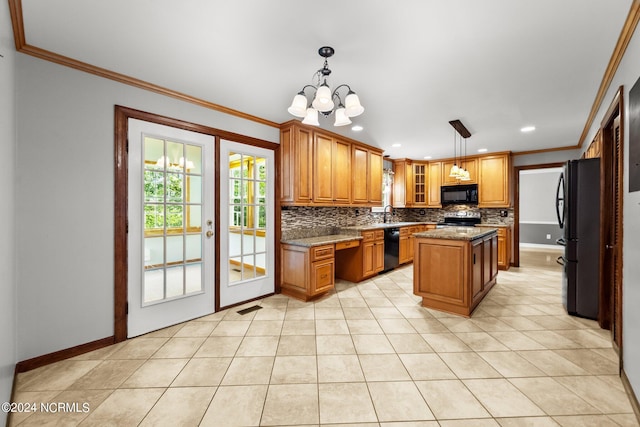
(455, 267)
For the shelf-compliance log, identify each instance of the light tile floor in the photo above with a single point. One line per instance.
(366, 355)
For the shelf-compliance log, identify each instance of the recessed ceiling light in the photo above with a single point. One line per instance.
(357, 128)
(482, 150)
(396, 145)
(427, 157)
(528, 129)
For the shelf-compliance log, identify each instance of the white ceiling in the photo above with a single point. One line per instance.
(497, 65)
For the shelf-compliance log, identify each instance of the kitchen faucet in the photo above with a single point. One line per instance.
(385, 213)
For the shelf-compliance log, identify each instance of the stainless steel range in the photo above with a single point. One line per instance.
(460, 219)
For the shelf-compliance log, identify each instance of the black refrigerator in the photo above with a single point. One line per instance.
(578, 209)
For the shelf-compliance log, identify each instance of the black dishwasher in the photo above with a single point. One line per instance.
(391, 248)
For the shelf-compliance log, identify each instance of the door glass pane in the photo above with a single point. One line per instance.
(247, 216)
(175, 282)
(194, 159)
(173, 196)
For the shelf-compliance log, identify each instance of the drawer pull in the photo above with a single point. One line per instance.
(324, 276)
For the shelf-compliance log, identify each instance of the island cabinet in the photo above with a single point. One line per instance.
(494, 181)
(320, 168)
(364, 261)
(307, 272)
(504, 244)
(454, 268)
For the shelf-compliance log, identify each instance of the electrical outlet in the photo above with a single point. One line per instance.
(548, 236)
(357, 212)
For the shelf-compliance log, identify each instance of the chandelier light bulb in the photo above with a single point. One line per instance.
(352, 104)
(298, 107)
(322, 101)
(311, 117)
(341, 117)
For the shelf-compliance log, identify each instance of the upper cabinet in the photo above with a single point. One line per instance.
(319, 168)
(494, 181)
(470, 164)
(331, 170)
(417, 184)
(375, 178)
(435, 181)
(420, 170)
(403, 183)
(296, 165)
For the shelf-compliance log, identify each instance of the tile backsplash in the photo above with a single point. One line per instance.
(307, 221)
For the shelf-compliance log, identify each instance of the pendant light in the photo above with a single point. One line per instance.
(459, 172)
(455, 170)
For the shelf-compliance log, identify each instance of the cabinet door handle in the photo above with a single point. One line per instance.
(474, 258)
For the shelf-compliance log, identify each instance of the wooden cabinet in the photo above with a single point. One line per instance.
(451, 275)
(420, 188)
(435, 181)
(367, 177)
(470, 164)
(403, 183)
(296, 160)
(331, 170)
(407, 242)
(494, 181)
(363, 261)
(324, 169)
(503, 242)
(375, 178)
(477, 270)
(360, 164)
(404, 249)
(307, 272)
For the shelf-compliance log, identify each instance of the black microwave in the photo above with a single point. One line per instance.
(459, 194)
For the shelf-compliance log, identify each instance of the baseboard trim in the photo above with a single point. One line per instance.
(46, 359)
(632, 396)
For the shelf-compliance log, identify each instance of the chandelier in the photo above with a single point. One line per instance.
(459, 172)
(324, 100)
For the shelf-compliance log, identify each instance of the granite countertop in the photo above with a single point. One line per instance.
(321, 240)
(385, 225)
(456, 233)
(493, 225)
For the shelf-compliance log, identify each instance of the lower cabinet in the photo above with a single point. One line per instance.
(364, 261)
(307, 272)
(504, 245)
(407, 241)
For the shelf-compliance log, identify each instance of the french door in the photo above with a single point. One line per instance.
(247, 192)
(170, 222)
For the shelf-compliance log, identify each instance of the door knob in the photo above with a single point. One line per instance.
(209, 233)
